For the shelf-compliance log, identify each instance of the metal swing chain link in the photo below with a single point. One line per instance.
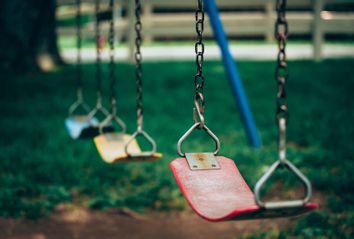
(281, 75)
(281, 72)
(199, 77)
(98, 54)
(78, 45)
(111, 59)
(138, 66)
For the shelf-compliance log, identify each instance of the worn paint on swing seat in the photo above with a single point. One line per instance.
(222, 194)
(111, 147)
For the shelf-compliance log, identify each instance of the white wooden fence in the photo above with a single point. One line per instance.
(165, 19)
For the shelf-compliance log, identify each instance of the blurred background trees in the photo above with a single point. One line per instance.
(28, 35)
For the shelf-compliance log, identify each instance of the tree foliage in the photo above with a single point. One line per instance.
(28, 35)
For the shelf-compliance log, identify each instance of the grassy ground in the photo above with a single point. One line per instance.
(41, 167)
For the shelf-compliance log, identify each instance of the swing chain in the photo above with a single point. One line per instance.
(138, 66)
(199, 77)
(98, 55)
(111, 59)
(113, 114)
(281, 75)
(198, 110)
(78, 45)
(139, 90)
(281, 72)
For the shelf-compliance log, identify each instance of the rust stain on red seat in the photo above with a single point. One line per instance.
(222, 194)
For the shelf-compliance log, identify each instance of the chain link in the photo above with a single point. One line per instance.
(99, 47)
(78, 45)
(199, 51)
(138, 66)
(281, 71)
(281, 75)
(111, 59)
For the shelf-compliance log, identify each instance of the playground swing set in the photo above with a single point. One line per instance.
(212, 184)
(112, 146)
(119, 146)
(87, 125)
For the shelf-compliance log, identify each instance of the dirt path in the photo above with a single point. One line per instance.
(82, 223)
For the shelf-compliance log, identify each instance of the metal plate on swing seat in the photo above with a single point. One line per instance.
(111, 147)
(202, 161)
(77, 123)
(223, 194)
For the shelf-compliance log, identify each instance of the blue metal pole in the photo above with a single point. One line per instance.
(233, 75)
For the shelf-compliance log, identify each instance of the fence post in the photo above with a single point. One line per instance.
(147, 16)
(117, 16)
(269, 13)
(317, 31)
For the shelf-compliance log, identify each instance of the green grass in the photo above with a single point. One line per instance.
(40, 166)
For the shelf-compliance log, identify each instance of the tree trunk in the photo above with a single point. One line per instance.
(28, 35)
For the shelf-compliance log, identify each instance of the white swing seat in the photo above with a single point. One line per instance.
(77, 123)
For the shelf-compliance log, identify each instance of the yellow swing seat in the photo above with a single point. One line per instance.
(111, 147)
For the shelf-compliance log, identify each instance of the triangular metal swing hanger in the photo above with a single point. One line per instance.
(108, 121)
(282, 161)
(198, 125)
(79, 103)
(282, 204)
(99, 108)
(148, 138)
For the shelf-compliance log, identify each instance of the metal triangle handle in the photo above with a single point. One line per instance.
(109, 120)
(76, 105)
(147, 137)
(98, 108)
(287, 203)
(191, 129)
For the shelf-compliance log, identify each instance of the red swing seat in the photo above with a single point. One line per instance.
(222, 194)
